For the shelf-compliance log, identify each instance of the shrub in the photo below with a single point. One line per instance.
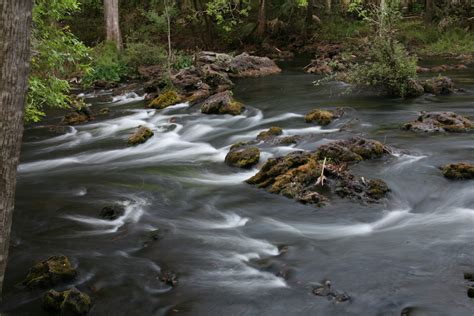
(144, 54)
(107, 65)
(389, 68)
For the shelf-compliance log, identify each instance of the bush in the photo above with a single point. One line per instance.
(144, 54)
(389, 68)
(107, 65)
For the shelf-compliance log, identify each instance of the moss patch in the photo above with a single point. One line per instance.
(165, 100)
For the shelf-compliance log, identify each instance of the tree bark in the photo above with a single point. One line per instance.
(15, 24)
(112, 26)
(262, 19)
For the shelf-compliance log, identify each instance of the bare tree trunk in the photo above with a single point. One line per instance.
(112, 26)
(328, 7)
(429, 11)
(15, 23)
(168, 22)
(262, 19)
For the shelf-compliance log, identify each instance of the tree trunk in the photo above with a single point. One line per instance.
(112, 26)
(328, 7)
(429, 11)
(262, 19)
(14, 61)
(309, 18)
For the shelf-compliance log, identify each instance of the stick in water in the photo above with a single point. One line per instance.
(322, 177)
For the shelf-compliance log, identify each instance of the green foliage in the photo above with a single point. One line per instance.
(389, 68)
(144, 54)
(56, 54)
(227, 14)
(339, 28)
(107, 65)
(452, 41)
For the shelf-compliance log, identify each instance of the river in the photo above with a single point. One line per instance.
(229, 242)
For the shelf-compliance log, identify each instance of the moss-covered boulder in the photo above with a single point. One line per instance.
(298, 176)
(414, 89)
(439, 86)
(54, 270)
(458, 171)
(221, 103)
(243, 156)
(323, 117)
(270, 133)
(70, 302)
(141, 135)
(429, 122)
(165, 99)
(352, 150)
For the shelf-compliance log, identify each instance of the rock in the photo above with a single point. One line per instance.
(53, 271)
(169, 278)
(242, 157)
(70, 302)
(104, 111)
(297, 176)
(112, 212)
(75, 118)
(440, 122)
(241, 66)
(469, 276)
(141, 135)
(221, 103)
(352, 150)
(217, 81)
(458, 171)
(439, 86)
(470, 292)
(165, 100)
(325, 290)
(151, 72)
(414, 89)
(270, 133)
(323, 117)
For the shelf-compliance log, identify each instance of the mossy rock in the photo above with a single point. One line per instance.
(70, 302)
(352, 150)
(321, 117)
(141, 135)
(243, 157)
(439, 86)
(164, 100)
(54, 270)
(377, 189)
(458, 171)
(450, 122)
(271, 132)
(221, 103)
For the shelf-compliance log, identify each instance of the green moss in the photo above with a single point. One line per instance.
(70, 302)
(271, 132)
(233, 108)
(50, 272)
(377, 189)
(243, 157)
(458, 171)
(164, 100)
(140, 136)
(321, 117)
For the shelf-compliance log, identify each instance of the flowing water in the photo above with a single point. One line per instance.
(229, 242)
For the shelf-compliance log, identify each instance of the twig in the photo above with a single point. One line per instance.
(322, 177)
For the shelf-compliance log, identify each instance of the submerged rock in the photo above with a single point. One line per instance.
(141, 135)
(169, 277)
(70, 302)
(165, 100)
(439, 85)
(273, 136)
(304, 176)
(54, 270)
(325, 290)
(112, 212)
(323, 117)
(440, 122)
(221, 103)
(242, 156)
(458, 171)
